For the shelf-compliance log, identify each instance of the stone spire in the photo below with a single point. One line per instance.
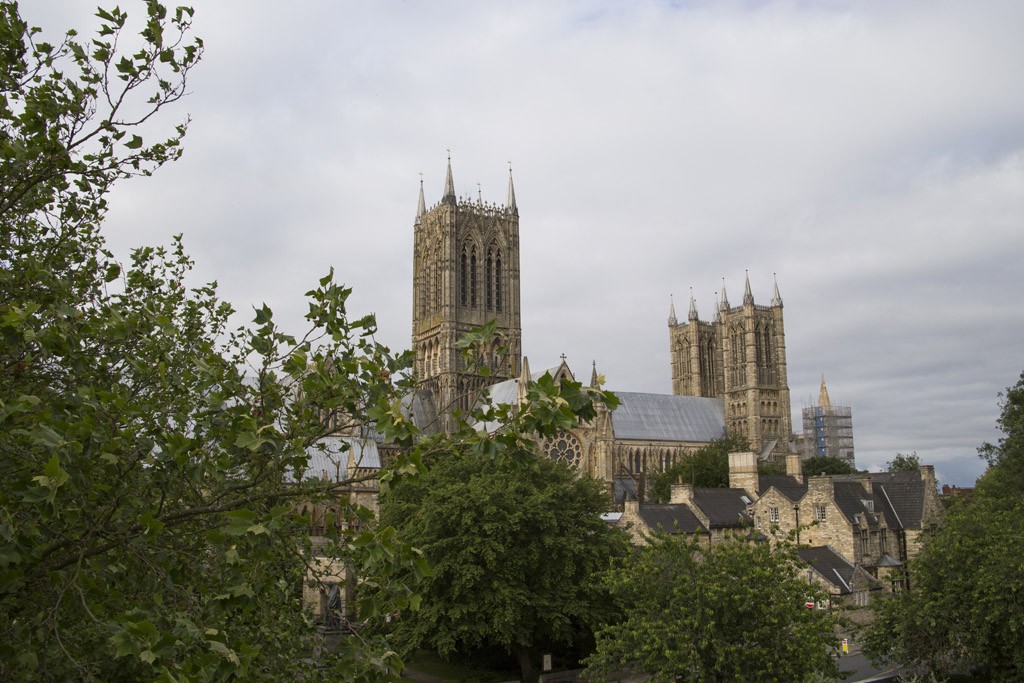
(671, 311)
(524, 381)
(717, 317)
(421, 209)
(725, 298)
(748, 296)
(449, 184)
(511, 203)
(693, 306)
(776, 297)
(594, 383)
(823, 401)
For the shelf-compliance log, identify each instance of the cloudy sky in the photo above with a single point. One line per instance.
(870, 155)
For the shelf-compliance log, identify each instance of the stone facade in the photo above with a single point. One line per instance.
(465, 274)
(740, 357)
(874, 520)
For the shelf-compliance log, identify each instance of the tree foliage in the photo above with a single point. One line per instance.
(706, 467)
(963, 611)
(904, 463)
(514, 540)
(149, 455)
(729, 612)
(813, 467)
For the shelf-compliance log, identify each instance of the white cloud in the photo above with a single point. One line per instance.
(871, 154)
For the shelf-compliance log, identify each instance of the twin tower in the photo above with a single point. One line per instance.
(466, 273)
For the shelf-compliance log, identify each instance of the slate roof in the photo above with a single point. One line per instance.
(418, 406)
(624, 489)
(723, 507)
(334, 457)
(901, 502)
(830, 566)
(850, 497)
(898, 496)
(785, 484)
(663, 417)
(671, 518)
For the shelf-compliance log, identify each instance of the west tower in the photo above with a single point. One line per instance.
(739, 357)
(465, 274)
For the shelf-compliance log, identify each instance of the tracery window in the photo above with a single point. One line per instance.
(564, 447)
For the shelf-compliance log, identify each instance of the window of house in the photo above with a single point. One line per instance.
(819, 513)
(864, 544)
(773, 515)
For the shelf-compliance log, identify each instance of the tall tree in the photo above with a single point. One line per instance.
(904, 463)
(707, 467)
(813, 467)
(514, 540)
(729, 612)
(146, 525)
(962, 612)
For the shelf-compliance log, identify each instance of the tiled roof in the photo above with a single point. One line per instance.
(671, 518)
(785, 484)
(830, 566)
(723, 507)
(663, 417)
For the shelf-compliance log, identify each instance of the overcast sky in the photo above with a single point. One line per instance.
(870, 154)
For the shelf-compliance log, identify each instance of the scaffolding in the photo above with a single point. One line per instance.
(828, 432)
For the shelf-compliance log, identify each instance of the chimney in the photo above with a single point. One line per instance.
(743, 472)
(681, 493)
(793, 467)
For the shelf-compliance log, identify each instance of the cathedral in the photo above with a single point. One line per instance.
(728, 374)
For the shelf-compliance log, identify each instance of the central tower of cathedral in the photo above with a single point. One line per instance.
(739, 357)
(465, 274)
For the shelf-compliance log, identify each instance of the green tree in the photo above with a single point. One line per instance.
(729, 612)
(904, 463)
(813, 467)
(514, 540)
(146, 518)
(707, 467)
(962, 612)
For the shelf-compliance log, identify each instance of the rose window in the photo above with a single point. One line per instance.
(564, 447)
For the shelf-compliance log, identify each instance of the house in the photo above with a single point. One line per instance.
(846, 583)
(873, 520)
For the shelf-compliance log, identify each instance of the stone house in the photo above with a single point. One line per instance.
(639, 520)
(846, 583)
(714, 514)
(873, 520)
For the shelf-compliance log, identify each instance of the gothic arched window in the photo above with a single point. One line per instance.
(438, 277)
(462, 277)
(489, 281)
(497, 280)
(472, 277)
